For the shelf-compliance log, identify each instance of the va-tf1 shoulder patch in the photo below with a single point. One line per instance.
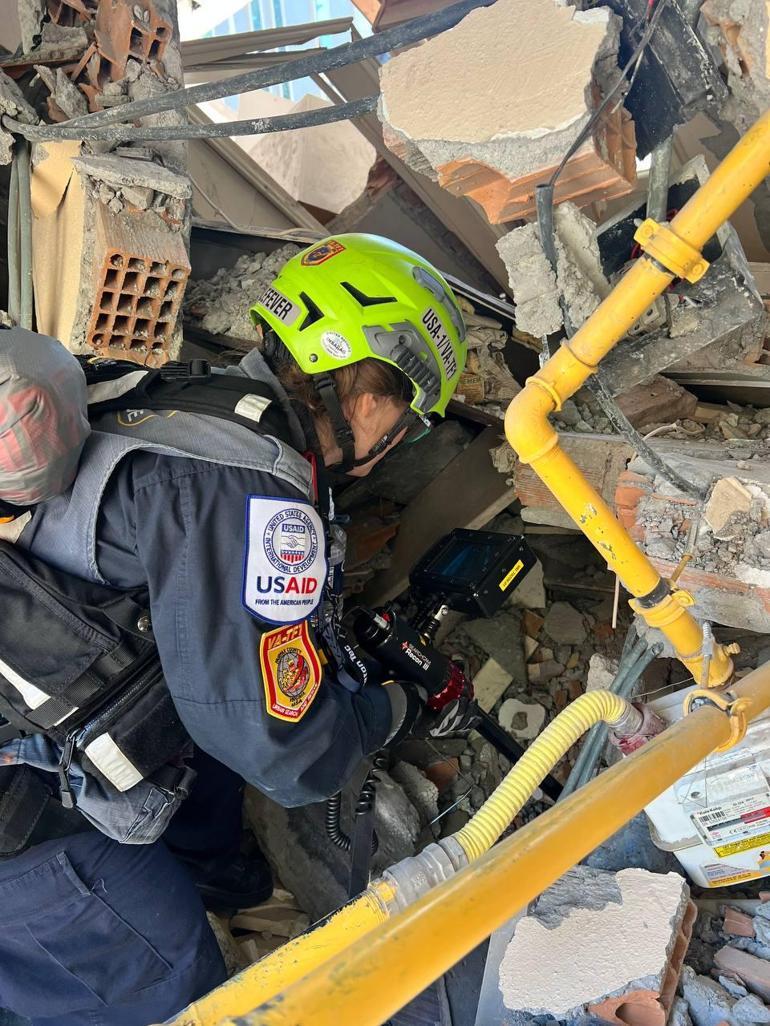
(285, 562)
(291, 671)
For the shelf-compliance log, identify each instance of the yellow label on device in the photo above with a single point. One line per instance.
(510, 575)
(745, 845)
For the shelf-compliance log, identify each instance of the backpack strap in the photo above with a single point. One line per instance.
(115, 385)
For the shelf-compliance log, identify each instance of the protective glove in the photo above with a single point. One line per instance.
(456, 717)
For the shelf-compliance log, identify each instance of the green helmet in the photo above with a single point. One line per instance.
(355, 296)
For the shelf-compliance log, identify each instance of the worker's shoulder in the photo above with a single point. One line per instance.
(148, 470)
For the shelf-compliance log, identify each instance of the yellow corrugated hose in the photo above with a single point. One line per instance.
(497, 813)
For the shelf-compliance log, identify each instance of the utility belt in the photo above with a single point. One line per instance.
(78, 665)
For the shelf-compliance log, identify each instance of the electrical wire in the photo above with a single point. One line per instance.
(630, 64)
(349, 53)
(225, 129)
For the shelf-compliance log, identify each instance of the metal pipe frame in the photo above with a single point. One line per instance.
(670, 251)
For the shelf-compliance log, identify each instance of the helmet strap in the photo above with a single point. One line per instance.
(343, 433)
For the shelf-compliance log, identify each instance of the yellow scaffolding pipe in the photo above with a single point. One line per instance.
(377, 975)
(671, 251)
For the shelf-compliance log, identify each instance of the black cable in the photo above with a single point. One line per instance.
(225, 129)
(623, 426)
(349, 53)
(334, 829)
(544, 197)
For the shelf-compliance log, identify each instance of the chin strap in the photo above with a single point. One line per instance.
(343, 433)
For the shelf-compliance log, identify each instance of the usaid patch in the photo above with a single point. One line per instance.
(279, 306)
(441, 340)
(285, 562)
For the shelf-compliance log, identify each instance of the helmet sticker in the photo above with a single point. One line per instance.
(320, 254)
(336, 345)
(434, 327)
(279, 306)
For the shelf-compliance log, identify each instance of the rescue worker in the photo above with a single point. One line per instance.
(235, 538)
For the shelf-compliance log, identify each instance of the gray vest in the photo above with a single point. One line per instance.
(66, 525)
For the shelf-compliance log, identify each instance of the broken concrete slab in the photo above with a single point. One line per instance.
(565, 625)
(717, 323)
(530, 594)
(306, 861)
(13, 104)
(600, 925)
(421, 792)
(66, 100)
(501, 638)
(728, 499)
(579, 279)
(496, 152)
(123, 171)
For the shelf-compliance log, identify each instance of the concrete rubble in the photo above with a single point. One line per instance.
(623, 936)
(496, 152)
(579, 279)
(220, 305)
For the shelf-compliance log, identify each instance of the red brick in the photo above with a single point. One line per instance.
(140, 284)
(755, 972)
(444, 773)
(738, 923)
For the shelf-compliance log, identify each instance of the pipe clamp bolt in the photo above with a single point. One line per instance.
(726, 702)
(676, 255)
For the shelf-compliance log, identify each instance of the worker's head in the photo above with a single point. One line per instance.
(375, 339)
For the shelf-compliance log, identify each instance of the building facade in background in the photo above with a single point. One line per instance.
(201, 19)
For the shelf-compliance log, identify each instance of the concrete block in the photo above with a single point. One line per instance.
(501, 638)
(622, 936)
(579, 278)
(708, 1001)
(601, 672)
(497, 141)
(565, 625)
(659, 401)
(512, 711)
(490, 683)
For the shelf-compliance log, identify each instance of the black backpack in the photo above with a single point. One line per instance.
(78, 662)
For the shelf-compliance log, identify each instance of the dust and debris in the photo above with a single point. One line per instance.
(220, 305)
